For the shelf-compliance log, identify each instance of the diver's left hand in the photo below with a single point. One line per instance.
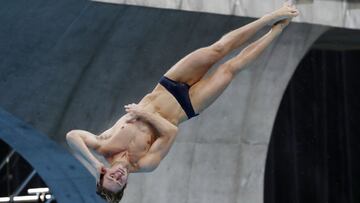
(135, 111)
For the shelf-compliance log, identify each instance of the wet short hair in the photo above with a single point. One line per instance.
(111, 197)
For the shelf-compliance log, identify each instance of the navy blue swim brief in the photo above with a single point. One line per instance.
(181, 93)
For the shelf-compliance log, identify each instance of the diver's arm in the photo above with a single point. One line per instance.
(81, 142)
(156, 153)
(160, 124)
(105, 135)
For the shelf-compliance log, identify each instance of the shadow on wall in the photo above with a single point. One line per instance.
(314, 150)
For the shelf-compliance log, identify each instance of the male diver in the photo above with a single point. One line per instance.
(141, 138)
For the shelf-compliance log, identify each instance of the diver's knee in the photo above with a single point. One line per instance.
(219, 48)
(228, 70)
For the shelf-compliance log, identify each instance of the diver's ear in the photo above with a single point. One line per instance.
(103, 170)
(100, 179)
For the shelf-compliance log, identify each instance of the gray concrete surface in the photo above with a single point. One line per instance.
(67, 65)
(338, 13)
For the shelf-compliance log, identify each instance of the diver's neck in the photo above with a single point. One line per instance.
(121, 160)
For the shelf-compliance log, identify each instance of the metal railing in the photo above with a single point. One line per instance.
(34, 194)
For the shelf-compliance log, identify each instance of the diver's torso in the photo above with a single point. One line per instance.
(134, 139)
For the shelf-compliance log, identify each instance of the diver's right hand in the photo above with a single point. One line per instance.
(135, 111)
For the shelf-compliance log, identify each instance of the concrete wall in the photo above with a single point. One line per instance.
(74, 64)
(338, 13)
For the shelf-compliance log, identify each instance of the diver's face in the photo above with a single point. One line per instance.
(115, 178)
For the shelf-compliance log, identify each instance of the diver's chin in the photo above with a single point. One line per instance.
(120, 166)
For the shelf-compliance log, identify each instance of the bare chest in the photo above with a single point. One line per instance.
(134, 138)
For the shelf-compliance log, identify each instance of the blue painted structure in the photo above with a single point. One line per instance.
(68, 180)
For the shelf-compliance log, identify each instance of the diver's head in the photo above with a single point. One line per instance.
(112, 182)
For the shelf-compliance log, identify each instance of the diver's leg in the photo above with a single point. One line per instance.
(207, 90)
(194, 66)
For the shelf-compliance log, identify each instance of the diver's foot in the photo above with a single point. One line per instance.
(287, 11)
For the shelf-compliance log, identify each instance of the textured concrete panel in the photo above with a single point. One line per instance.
(337, 13)
(214, 169)
(172, 176)
(251, 174)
